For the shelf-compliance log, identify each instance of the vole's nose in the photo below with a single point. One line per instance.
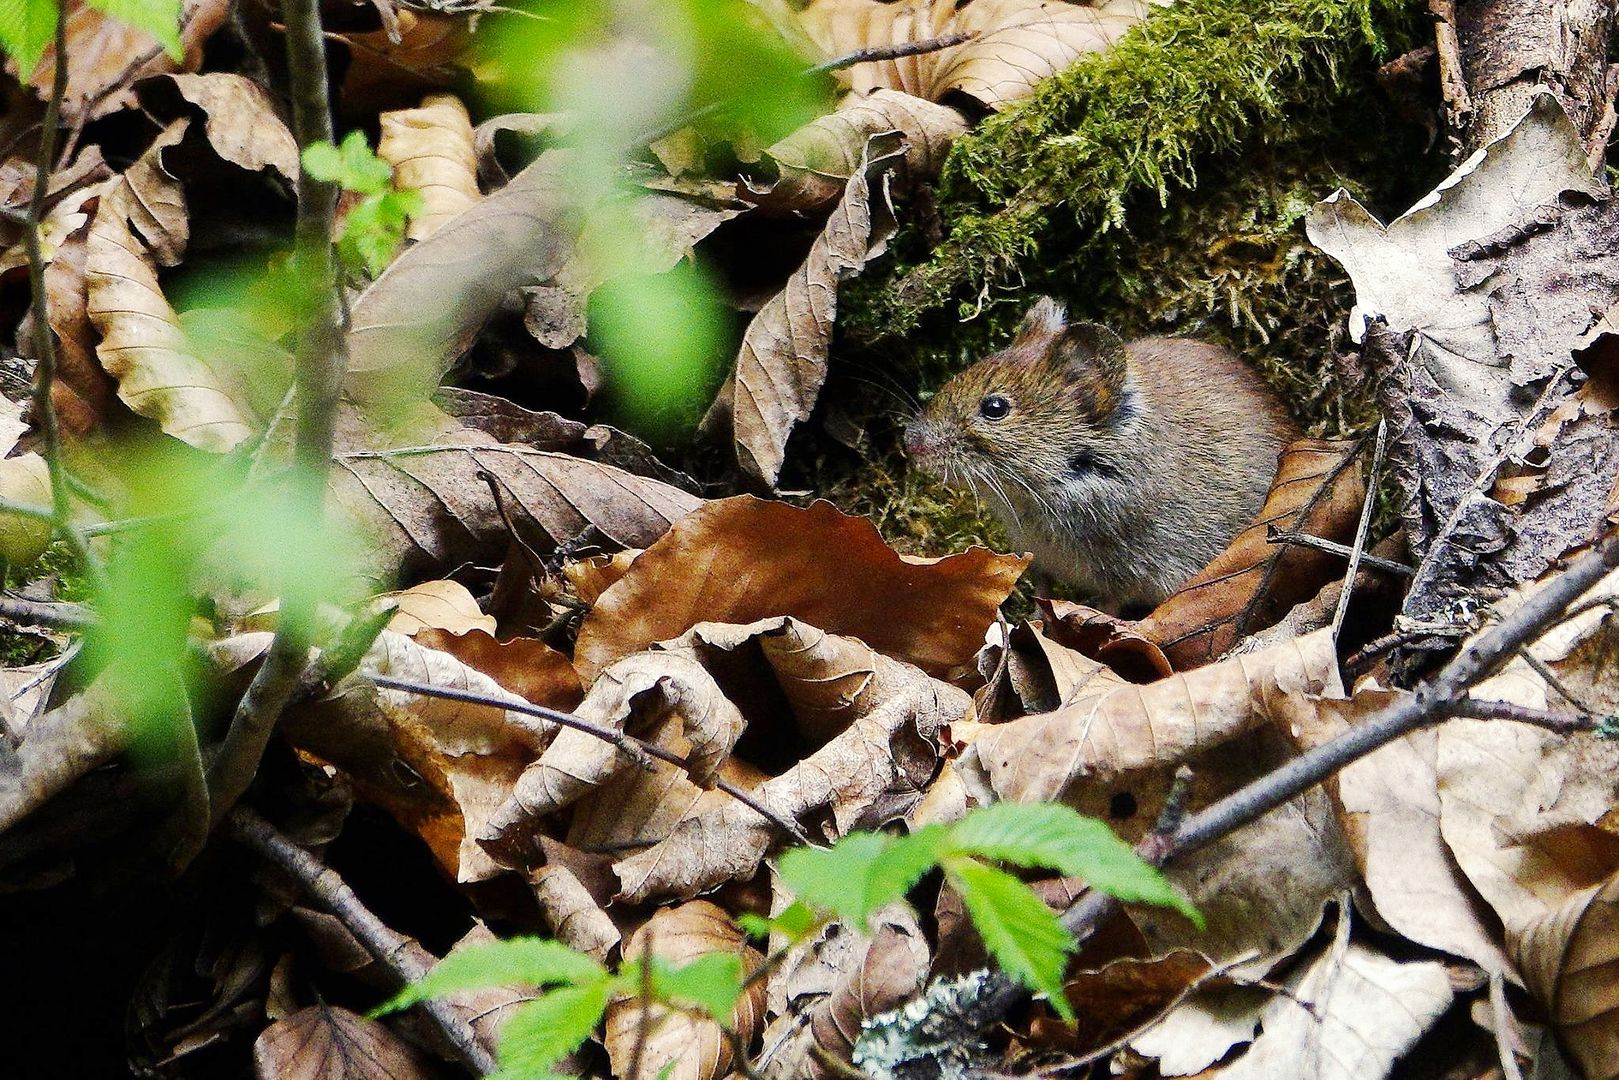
(916, 442)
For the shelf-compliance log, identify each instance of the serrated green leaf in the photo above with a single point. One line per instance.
(712, 982)
(513, 962)
(26, 27)
(363, 171)
(755, 926)
(160, 18)
(1019, 931)
(546, 1030)
(1062, 839)
(860, 873)
(323, 161)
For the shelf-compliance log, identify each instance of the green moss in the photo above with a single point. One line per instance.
(1199, 79)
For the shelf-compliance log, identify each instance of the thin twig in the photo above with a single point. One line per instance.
(1440, 698)
(1544, 670)
(392, 950)
(1357, 553)
(643, 1022)
(889, 52)
(1452, 78)
(1332, 547)
(1558, 723)
(322, 358)
(630, 745)
(44, 341)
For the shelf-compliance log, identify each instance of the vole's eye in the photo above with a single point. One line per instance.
(994, 407)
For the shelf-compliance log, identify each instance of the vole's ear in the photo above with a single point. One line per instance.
(1092, 360)
(1044, 320)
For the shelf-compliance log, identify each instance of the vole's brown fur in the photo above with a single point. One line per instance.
(1123, 467)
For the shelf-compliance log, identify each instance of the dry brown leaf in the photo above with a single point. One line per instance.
(436, 605)
(816, 564)
(393, 70)
(1016, 43)
(1568, 959)
(872, 772)
(426, 508)
(325, 1042)
(430, 148)
(781, 365)
(213, 398)
(697, 1048)
(571, 913)
(1252, 583)
(61, 745)
(838, 979)
(593, 576)
(439, 766)
(1121, 996)
(105, 56)
(814, 164)
(528, 667)
(1095, 738)
(24, 479)
(84, 394)
(417, 319)
(1030, 673)
(1115, 642)
(240, 118)
(487, 1010)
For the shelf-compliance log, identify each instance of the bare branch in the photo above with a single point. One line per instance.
(392, 950)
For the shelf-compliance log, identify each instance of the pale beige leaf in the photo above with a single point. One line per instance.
(593, 576)
(1570, 962)
(1016, 43)
(325, 1042)
(428, 306)
(933, 615)
(696, 1048)
(781, 365)
(241, 120)
(437, 605)
(573, 916)
(430, 148)
(1367, 1012)
(814, 164)
(201, 387)
(1203, 1029)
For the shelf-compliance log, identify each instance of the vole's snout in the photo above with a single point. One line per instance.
(919, 446)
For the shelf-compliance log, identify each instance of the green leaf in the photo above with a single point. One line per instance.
(352, 166)
(26, 27)
(513, 962)
(1019, 931)
(712, 982)
(323, 161)
(1062, 839)
(160, 18)
(544, 1031)
(860, 873)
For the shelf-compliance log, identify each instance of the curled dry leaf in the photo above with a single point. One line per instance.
(824, 567)
(593, 576)
(643, 689)
(240, 119)
(324, 1042)
(436, 605)
(440, 767)
(814, 164)
(873, 771)
(1252, 583)
(1126, 994)
(1030, 673)
(106, 55)
(84, 394)
(430, 148)
(696, 1048)
(489, 1008)
(426, 506)
(1567, 959)
(572, 915)
(24, 479)
(1116, 642)
(781, 365)
(213, 398)
(1096, 737)
(393, 67)
(841, 979)
(1015, 43)
(528, 667)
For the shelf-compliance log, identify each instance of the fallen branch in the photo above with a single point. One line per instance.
(399, 954)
